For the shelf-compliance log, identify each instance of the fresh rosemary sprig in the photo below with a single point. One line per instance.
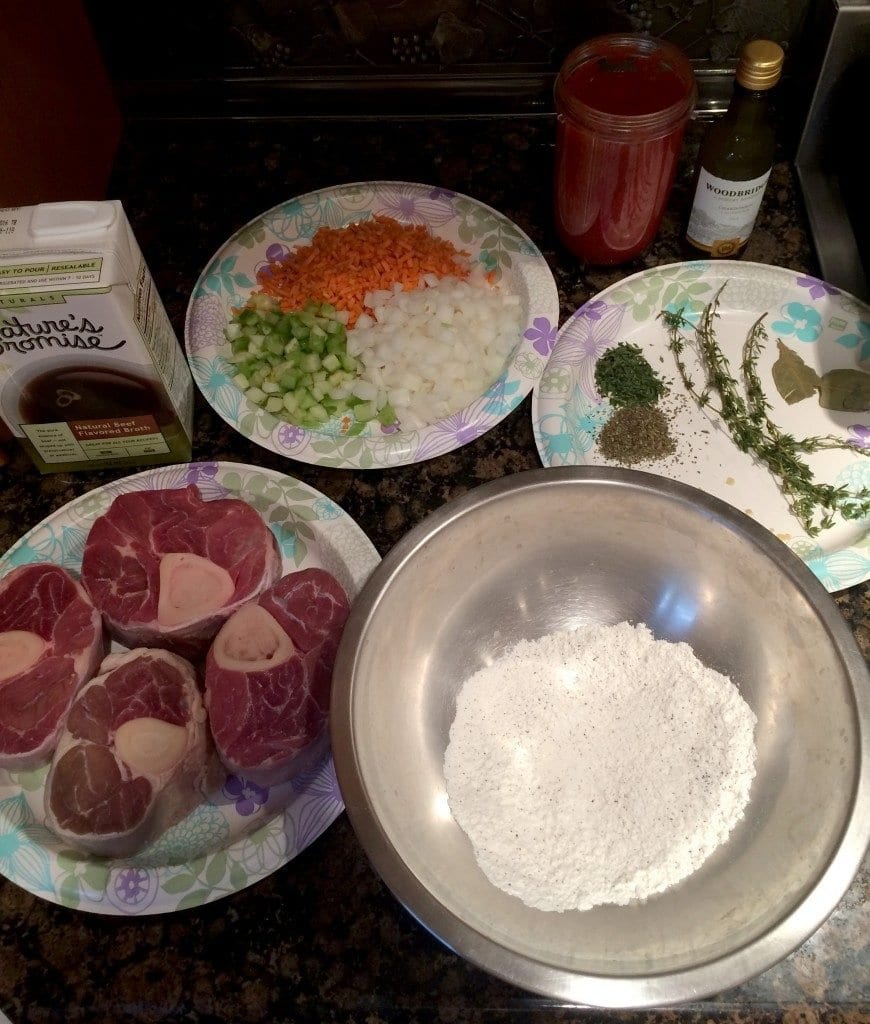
(746, 417)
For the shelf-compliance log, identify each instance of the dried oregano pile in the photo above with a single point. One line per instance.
(638, 429)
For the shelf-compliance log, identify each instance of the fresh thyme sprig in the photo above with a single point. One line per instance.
(746, 417)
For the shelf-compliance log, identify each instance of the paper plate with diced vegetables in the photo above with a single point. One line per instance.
(371, 325)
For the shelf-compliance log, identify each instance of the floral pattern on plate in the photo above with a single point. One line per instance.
(488, 236)
(826, 327)
(243, 832)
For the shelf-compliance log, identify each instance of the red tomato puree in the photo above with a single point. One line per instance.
(622, 116)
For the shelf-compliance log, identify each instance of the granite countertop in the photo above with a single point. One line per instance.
(323, 939)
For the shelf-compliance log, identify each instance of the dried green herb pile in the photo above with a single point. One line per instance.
(625, 378)
(745, 414)
(638, 429)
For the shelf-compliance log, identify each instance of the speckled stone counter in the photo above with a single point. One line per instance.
(322, 939)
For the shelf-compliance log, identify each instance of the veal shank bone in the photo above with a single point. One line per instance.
(268, 676)
(134, 757)
(166, 568)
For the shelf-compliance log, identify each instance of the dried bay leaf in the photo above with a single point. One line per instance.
(794, 379)
(845, 390)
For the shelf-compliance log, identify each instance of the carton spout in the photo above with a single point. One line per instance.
(58, 220)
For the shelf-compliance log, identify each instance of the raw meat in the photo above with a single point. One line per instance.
(51, 642)
(134, 757)
(166, 568)
(268, 677)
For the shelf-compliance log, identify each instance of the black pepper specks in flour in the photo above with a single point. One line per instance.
(598, 765)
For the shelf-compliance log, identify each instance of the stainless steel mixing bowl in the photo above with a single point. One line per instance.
(552, 549)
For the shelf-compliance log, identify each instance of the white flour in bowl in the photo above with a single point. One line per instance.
(597, 766)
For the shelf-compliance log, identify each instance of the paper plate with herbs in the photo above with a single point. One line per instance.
(764, 399)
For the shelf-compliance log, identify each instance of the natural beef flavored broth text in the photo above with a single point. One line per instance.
(91, 372)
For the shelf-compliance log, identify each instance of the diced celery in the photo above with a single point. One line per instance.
(289, 379)
(316, 414)
(365, 411)
(296, 364)
(336, 343)
(387, 415)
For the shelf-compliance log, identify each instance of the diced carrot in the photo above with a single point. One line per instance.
(342, 264)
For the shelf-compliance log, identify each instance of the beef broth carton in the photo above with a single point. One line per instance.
(91, 372)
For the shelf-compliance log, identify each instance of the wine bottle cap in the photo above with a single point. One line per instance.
(760, 64)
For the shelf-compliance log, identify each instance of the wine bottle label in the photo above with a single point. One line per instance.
(723, 213)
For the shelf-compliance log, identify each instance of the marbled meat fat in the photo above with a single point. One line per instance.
(51, 642)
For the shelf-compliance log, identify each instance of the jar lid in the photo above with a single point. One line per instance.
(760, 64)
(623, 83)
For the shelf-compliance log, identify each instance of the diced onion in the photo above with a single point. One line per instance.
(435, 349)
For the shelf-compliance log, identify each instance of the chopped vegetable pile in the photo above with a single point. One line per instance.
(296, 365)
(377, 321)
(343, 264)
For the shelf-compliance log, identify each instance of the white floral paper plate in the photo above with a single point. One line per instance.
(244, 832)
(822, 326)
(488, 236)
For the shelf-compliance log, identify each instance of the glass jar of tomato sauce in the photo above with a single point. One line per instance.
(622, 104)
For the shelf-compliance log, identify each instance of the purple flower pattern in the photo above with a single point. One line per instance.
(859, 435)
(593, 310)
(542, 334)
(132, 886)
(817, 289)
(248, 796)
(291, 437)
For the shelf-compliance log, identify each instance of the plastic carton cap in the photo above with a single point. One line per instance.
(56, 220)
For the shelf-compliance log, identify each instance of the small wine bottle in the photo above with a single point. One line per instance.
(736, 156)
